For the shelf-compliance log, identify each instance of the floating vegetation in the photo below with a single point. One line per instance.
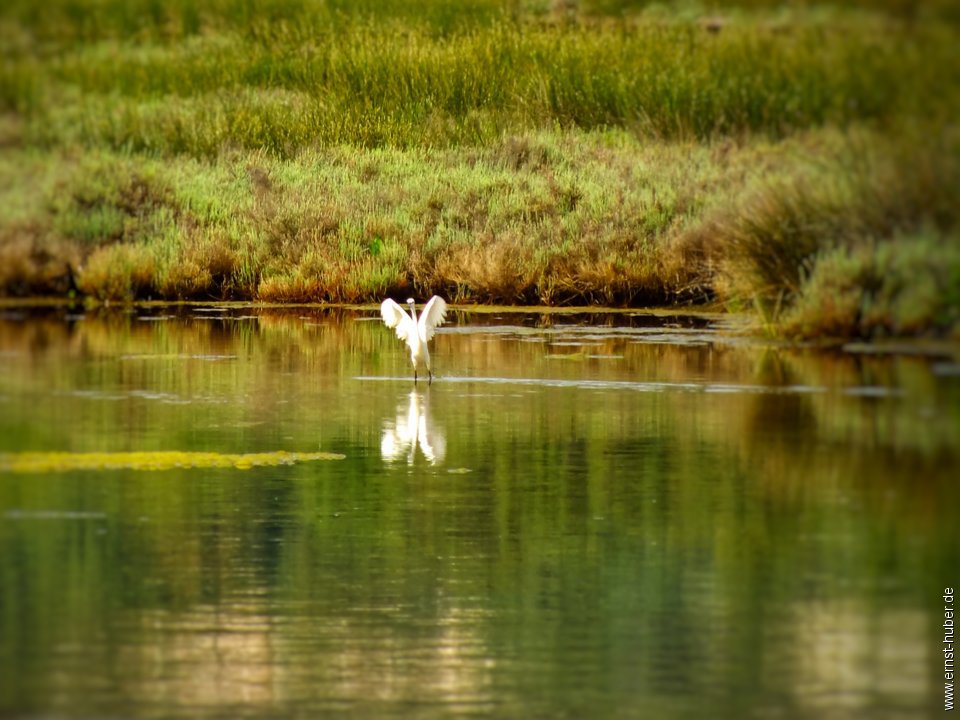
(53, 515)
(45, 462)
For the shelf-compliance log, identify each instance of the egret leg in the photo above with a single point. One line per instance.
(414, 374)
(430, 375)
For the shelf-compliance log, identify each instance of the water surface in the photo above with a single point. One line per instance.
(606, 516)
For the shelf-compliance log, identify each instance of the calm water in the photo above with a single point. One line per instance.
(605, 516)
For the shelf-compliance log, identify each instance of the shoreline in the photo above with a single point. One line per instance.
(741, 327)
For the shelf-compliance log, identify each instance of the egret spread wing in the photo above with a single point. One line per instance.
(396, 317)
(432, 316)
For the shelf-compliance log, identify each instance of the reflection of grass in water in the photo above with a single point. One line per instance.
(342, 346)
(43, 462)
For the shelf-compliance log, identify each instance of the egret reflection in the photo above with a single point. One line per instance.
(413, 428)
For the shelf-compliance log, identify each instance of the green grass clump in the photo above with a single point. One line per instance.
(899, 286)
(858, 246)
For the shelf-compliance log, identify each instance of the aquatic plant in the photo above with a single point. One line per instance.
(46, 462)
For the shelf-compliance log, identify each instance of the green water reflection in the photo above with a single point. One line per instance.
(584, 516)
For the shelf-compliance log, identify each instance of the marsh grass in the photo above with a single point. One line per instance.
(377, 86)
(601, 151)
(827, 232)
(543, 218)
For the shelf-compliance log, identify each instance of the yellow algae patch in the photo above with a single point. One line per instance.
(43, 462)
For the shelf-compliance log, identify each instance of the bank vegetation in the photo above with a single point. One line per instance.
(799, 162)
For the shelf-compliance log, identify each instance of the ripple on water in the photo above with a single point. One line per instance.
(946, 369)
(873, 391)
(161, 397)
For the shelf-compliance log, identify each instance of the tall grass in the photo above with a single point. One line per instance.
(284, 87)
(69, 22)
(581, 218)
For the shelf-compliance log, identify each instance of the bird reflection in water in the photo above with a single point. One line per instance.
(413, 428)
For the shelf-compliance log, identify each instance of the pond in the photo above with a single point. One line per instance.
(233, 511)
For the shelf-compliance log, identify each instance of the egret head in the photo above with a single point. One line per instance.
(409, 301)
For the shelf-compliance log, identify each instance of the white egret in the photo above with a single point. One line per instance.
(416, 334)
